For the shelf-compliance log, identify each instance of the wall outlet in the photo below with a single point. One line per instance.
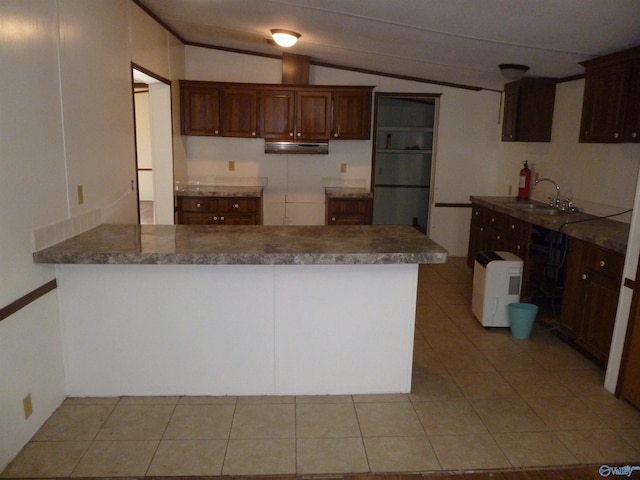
(80, 195)
(232, 166)
(27, 406)
(343, 168)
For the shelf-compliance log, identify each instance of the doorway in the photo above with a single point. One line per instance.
(403, 158)
(154, 147)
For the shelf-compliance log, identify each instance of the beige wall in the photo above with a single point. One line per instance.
(67, 120)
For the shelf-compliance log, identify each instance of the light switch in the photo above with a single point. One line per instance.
(343, 168)
(232, 166)
(80, 195)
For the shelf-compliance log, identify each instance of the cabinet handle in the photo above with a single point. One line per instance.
(513, 227)
(299, 134)
(222, 219)
(482, 229)
(335, 135)
(215, 218)
(237, 205)
(616, 135)
(583, 276)
(602, 263)
(253, 133)
(291, 134)
(216, 132)
(476, 213)
(493, 220)
(634, 135)
(518, 247)
(333, 219)
(497, 237)
(198, 205)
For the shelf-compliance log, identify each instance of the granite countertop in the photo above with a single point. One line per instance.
(348, 192)
(603, 232)
(219, 191)
(245, 245)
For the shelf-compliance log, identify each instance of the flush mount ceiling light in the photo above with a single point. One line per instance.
(513, 71)
(284, 38)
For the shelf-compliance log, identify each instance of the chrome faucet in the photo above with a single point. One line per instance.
(551, 202)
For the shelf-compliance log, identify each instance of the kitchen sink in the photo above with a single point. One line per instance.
(535, 208)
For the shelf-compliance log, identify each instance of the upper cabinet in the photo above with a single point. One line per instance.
(275, 112)
(295, 114)
(528, 110)
(239, 115)
(200, 109)
(611, 103)
(351, 118)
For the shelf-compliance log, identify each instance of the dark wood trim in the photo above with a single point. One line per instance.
(140, 68)
(25, 300)
(571, 78)
(346, 68)
(391, 185)
(157, 19)
(145, 169)
(453, 205)
(401, 77)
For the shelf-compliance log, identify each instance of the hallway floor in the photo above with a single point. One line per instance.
(480, 400)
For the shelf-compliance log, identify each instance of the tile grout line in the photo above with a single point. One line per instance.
(155, 451)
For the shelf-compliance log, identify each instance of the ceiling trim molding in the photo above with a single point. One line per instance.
(159, 20)
(343, 67)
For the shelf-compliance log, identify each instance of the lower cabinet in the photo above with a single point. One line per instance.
(213, 210)
(348, 211)
(494, 231)
(592, 285)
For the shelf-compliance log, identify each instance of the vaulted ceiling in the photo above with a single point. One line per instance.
(451, 41)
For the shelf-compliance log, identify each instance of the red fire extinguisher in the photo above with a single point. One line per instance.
(525, 182)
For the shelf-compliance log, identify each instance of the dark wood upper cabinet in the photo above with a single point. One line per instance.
(528, 110)
(295, 114)
(313, 115)
(200, 109)
(611, 102)
(239, 115)
(287, 112)
(277, 114)
(351, 119)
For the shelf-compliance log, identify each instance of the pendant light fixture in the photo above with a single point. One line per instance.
(284, 38)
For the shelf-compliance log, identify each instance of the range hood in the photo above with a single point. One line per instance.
(309, 148)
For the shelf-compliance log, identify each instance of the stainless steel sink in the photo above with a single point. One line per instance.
(535, 208)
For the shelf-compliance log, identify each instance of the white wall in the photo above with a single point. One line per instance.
(599, 178)
(67, 120)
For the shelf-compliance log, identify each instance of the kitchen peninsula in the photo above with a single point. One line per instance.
(239, 310)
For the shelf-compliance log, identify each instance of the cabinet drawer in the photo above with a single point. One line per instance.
(236, 204)
(348, 206)
(605, 262)
(497, 221)
(517, 228)
(198, 204)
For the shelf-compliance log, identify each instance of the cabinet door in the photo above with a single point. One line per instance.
(313, 115)
(598, 314)
(603, 104)
(629, 379)
(200, 110)
(344, 211)
(632, 119)
(239, 116)
(351, 117)
(510, 116)
(277, 110)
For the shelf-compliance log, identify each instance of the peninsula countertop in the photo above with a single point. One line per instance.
(603, 232)
(245, 245)
(219, 191)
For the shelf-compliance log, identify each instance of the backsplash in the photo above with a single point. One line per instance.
(57, 232)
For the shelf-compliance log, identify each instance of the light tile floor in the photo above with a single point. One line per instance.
(480, 400)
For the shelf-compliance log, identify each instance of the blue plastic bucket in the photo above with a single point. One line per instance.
(521, 318)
